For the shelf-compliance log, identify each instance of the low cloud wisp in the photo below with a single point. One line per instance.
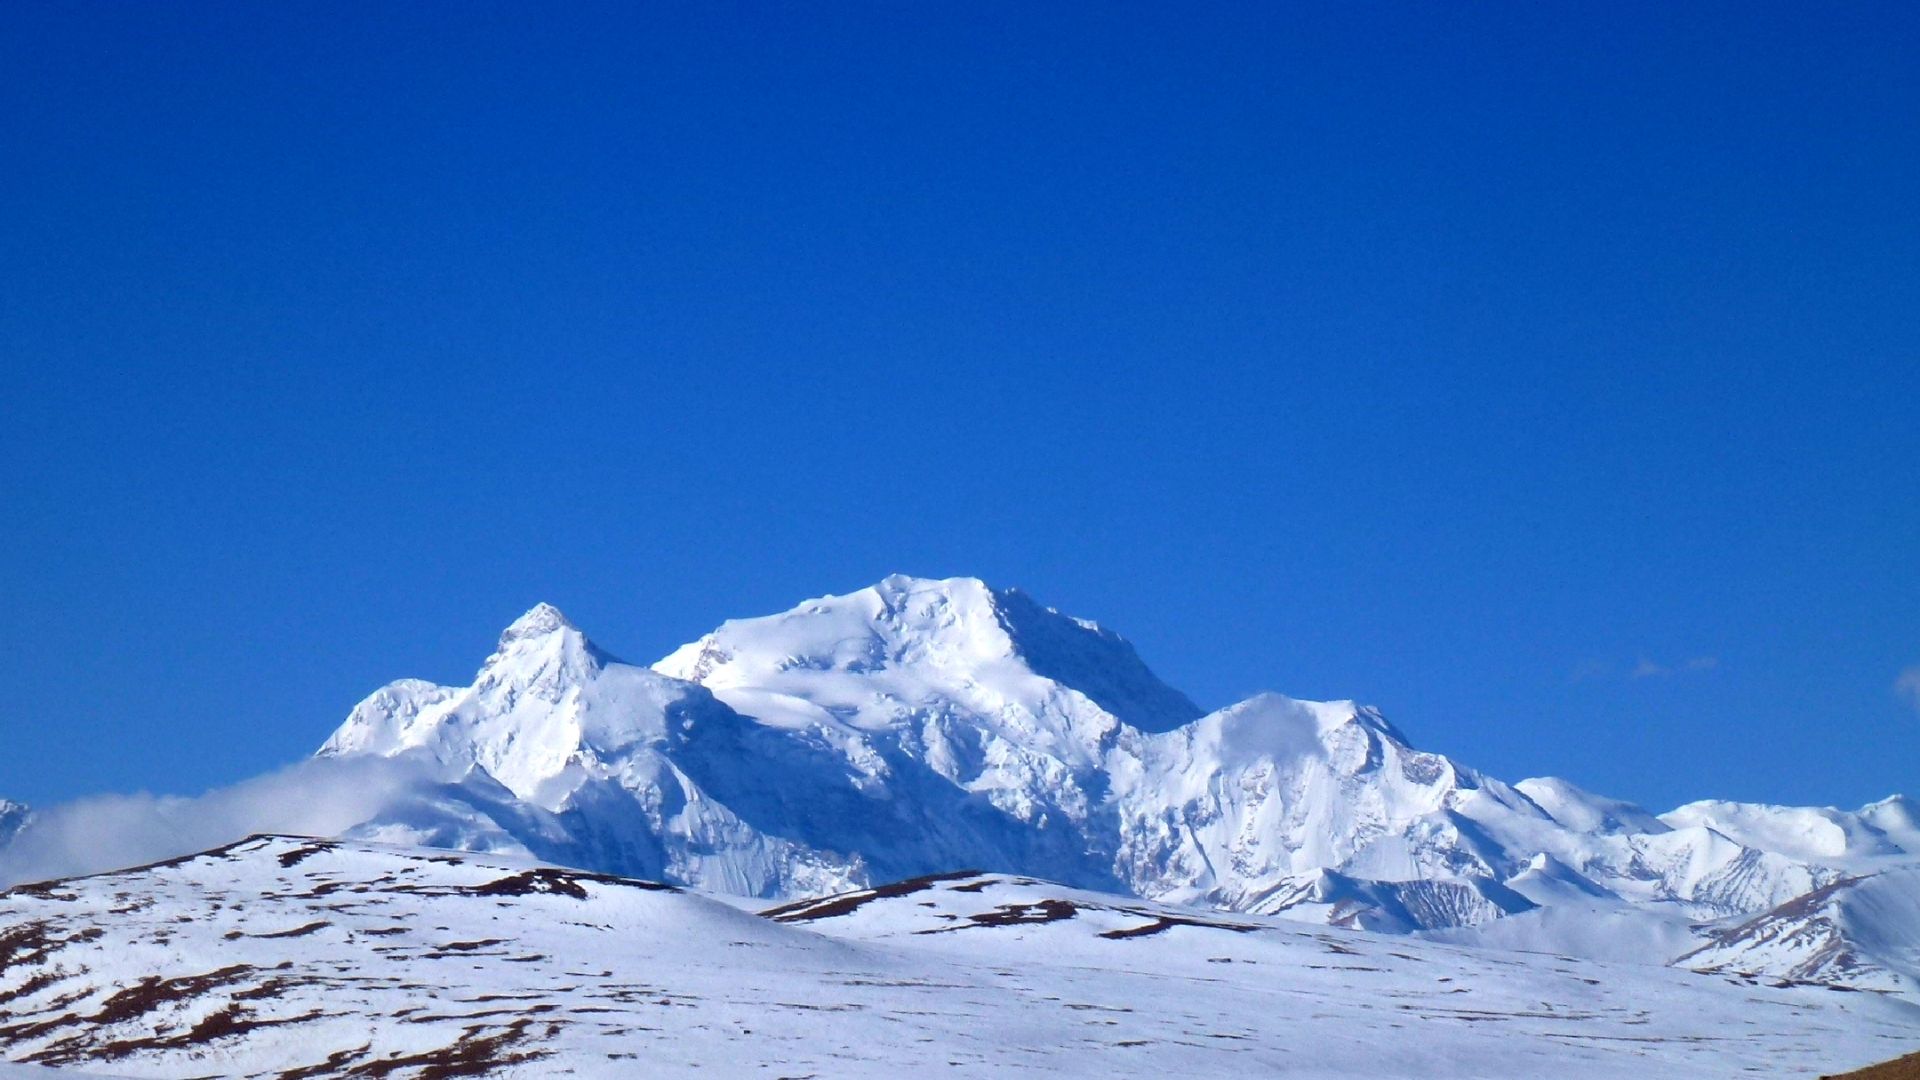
(1644, 668)
(320, 797)
(1907, 686)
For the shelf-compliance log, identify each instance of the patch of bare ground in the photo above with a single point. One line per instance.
(230, 1022)
(473, 1054)
(547, 879)
(298, 931)
(151, 993)
(1162, 923)
(1906, 1068)
(834, 906)
(335, 1062)
(33, 942)
(301, 854)
(1043, 911)
(32, 986)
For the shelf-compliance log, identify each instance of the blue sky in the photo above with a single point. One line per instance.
(1546, 374)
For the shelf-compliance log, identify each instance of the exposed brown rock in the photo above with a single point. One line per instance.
(1906, 1068)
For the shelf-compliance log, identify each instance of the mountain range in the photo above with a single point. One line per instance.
(921, 727)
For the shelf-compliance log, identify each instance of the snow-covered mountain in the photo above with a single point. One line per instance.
(1884, 832)
(1853, 932)
(921, 726)
(283, 957)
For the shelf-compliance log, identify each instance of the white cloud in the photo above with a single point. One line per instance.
(1908, 686)
(319, 797)
(1588, 670)
(1650, 669)
(1647, 669)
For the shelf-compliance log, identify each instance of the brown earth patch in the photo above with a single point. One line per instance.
(1906, 1068)
(473, 1054)
(1042, 911)
(151, 993)
(302, 854)
(548, 879)
(833, 906)
(1163, 923)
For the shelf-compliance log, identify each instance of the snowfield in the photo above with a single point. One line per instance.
(291, 957)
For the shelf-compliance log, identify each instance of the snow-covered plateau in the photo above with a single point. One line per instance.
(1279, 884)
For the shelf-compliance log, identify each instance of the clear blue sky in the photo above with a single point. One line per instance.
(1464, 359)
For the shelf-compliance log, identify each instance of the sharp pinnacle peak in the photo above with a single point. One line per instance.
(540, 620)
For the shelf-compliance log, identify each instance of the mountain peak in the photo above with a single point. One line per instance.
(543, 646)
(902, 584)
(957, 632)
(539, 621)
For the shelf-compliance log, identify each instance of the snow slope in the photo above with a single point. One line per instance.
(1854, 932)
(286, 957)
(1886, 831)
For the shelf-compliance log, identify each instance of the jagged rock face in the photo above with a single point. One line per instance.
(1398, 907)
(917, 726)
